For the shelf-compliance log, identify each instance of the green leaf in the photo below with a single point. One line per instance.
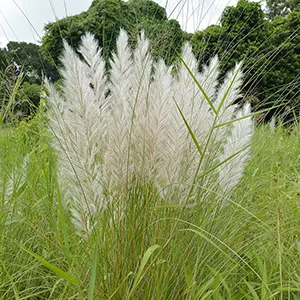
(70, 278)
(15, 288)
(140, 274)
(200, 87)
(252, 291)
(93, 274)
(248, 116)
(190, 131)
(144, 261)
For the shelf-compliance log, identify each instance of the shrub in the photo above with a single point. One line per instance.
(31, 92)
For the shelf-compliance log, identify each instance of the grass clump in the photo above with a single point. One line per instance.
(246, 250)
(94, 211)
(139, 124)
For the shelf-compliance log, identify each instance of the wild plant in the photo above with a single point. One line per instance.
(140, 121)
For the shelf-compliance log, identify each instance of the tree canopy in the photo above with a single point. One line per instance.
(104, 18)
(242, 35)
(28, 57)
(281, 7)
(266, 41)
(269, 50)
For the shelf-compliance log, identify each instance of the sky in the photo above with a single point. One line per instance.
(24, 20)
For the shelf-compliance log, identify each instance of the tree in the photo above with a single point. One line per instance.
(269, 49)
(281, 7)
(25, 57)
(241, 36)
(3, 62)
(104, 18)
(28, 56)
(282, 79)
(208, 42)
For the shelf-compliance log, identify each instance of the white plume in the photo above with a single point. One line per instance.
(141, 78)
(80, 139)
(109, 132)
(116, 159)
(236, 147)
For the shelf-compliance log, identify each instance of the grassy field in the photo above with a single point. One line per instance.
(143, 245)
(248, 250)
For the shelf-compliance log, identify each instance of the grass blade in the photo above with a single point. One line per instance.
(245, 117)
(190, 130)
(93, 273)
(200, 87)
(16, 291)
(144, 261)
(70, 278)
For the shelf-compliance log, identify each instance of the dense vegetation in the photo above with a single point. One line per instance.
(268, 42)
(269, 49)
(148, 243)
(248, 251)
(105, 18)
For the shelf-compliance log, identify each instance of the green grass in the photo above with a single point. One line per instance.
(151, 250)
(247, 250)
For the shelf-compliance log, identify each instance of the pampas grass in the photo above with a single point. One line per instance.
(139, 121)
(145, 195)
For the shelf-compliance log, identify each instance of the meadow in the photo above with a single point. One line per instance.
(143, 247)
(145, 181)
(250, 250)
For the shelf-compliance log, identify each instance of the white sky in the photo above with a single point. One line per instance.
(23, 20)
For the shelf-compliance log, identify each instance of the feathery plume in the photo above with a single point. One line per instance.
(116, 159)
(230, 89)
(236, 149)
(227, 94)
(139, 148)
(96, 66)
(80, 137)
(158, 138)
(181, 156)
(130, 126)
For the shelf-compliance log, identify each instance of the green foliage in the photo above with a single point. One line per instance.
(28, 57)
(250, 250)
(246, 38)
(241, 36)
(282, 78)
(12, 108)
(19, 98)
(31, 92)
(281, 7)
(242, 18)
(3, 60)
(105, 18)
(269, 50)
(208, 42)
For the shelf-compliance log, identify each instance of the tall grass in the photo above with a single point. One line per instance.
(247, 250)
(153, 128)
(144, 244)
